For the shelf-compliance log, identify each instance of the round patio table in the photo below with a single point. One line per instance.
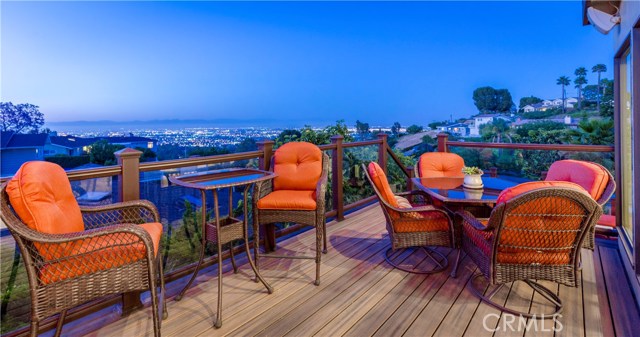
(223, 230)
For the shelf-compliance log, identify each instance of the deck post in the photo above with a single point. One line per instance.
(442, 142)
(337, 178)
(410, 174)
(382, 151)
(264, 163)
(128, 190)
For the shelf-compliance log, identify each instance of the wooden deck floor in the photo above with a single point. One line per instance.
(361, 295)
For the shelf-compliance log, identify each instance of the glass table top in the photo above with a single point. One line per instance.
(222, 178)
(451, 189)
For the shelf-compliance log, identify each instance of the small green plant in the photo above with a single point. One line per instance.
(471, 170)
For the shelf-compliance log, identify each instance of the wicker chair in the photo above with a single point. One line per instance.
(535, 232)
(296, 194)
(593, 177)
(411, 224)
(439, 164)
(77, 254)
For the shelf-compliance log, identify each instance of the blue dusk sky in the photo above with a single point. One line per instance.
(287, 63)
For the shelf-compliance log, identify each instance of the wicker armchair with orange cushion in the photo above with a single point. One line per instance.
(296, 194)
(411, 224)
(595, 179)
(535, 232)
(439, 164)
(76, 254)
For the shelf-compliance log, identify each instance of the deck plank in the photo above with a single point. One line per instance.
(361, 295)
(626, 323)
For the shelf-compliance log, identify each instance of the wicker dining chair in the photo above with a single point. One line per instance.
(535, 232)
(76, 254)
(593, 177)
(296, 194)
(439, 164)
(411, 224)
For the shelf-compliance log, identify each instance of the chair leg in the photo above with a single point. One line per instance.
(441, 264)
(163, 293)
(154, 300)
(318, 253)
(60, 323)
(324, 234)
(35, 326)
(537, 287)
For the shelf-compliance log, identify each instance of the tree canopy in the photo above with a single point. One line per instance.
(101, 152)
(524, 101)
(21, 118)
(395, 128)
(362, 127)
(413, 129)
(488, 99)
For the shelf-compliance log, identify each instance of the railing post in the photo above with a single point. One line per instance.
(337, 177)
(543, 175)
(266, 146)
(410, 173)
(269, 234)
(442, 142)
(128, 190)
(382, 151)
(493, 172)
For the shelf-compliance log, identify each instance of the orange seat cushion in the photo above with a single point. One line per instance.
(101, 253)
(379, 179)
(425, 222)
(607, 220)
(523, 223)
(40, 194)
(440, 164)
(298, 166)
(591, 177)
(289, 200)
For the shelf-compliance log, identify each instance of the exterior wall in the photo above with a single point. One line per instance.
(629, 13)
(52, 150)
(12, 159)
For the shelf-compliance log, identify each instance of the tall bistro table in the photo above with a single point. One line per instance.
(453, 197)
(223, 230)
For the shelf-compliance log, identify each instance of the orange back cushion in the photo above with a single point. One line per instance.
(440, 164)
(523, 225)
(382, 184)
(591, 177)
(40, 193)
(298, 166)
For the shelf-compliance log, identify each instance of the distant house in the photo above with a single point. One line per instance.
(567, 120)
(458, 129)
(482, 119)
(545, 105)
(17, 149)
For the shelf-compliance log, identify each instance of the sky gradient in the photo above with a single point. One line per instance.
(287, 63)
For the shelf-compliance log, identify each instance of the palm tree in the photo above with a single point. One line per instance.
(564, 81)
(581, 79)
(599, 68)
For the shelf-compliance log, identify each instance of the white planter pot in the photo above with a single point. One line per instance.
(473, 181)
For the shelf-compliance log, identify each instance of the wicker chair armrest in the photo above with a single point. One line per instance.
(137, 211)
(321, 186)
(261, 189)
(69, 238)
(474, 222)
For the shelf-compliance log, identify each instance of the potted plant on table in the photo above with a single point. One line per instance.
(472, 177)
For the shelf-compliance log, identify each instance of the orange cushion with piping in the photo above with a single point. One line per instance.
(289, 200)
(440, 164)
(379, 179)
(40, 194)
(426, 222)
(588, 175)
(100, 254)
(514, 191)
(522, 225)
(607, 220)
(298, 166)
